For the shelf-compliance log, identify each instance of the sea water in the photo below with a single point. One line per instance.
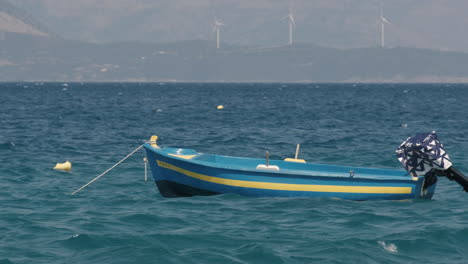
(123, 219)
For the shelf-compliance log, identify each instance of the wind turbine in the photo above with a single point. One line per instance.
(382, 22)
(217, 27)
(292, 24)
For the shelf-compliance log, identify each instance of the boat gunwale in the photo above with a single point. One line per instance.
(290, 172)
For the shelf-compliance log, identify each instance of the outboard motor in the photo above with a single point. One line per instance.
(424, 155)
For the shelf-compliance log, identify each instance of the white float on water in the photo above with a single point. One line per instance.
(66, 166)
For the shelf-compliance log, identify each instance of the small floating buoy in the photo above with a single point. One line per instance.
(220, 107)
(66, 166)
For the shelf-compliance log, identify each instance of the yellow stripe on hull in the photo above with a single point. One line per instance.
(288, 186)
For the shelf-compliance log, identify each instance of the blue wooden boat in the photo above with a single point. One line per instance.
(181, 172)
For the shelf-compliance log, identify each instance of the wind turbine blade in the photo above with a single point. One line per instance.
(381, 8)
(291, 16)
(291, 19)
(384, 20)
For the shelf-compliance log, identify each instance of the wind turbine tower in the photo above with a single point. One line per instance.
(382, 22)
(217, 28)
(292, 24)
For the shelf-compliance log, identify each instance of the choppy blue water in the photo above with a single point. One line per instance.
(122, 219)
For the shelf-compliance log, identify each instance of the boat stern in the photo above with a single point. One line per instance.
(425, 186)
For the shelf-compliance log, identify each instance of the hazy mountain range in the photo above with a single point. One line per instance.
(143, 40)
(433, 24)
(14, 19)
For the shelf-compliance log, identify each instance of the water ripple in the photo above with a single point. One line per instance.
(120, 219)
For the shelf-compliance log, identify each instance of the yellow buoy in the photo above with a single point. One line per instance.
(220, 107)
(66, 166)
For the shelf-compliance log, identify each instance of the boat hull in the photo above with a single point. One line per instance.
(179, 176)
(172, 189)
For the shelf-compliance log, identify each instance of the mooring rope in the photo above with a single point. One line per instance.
(102, 174)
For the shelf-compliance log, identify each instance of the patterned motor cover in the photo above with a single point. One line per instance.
(421, 153)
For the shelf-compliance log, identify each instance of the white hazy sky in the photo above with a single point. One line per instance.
(435, 24)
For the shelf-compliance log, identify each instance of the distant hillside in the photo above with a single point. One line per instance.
(431, 24)
(33, 58)
(13, 19)
(29, 52)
